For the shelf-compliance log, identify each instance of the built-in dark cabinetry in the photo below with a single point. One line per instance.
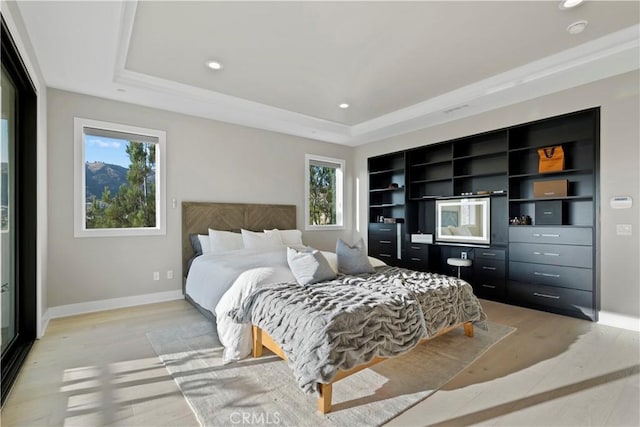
(386, 187)
(387, 207)
(549, 264)
(553, 263)
(490, 272)
(386, 242)
(577, 134)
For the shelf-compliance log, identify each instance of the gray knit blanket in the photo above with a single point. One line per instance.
(342, 323)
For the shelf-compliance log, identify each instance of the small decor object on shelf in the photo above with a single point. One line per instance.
(520, 220)
(551, 159)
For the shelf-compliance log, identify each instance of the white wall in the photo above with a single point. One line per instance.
(619, 173)
(206, 161)
(13, 19)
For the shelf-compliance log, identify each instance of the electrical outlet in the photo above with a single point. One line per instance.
(623, 229)
(169, 274)
(463, 255)
(156, 275)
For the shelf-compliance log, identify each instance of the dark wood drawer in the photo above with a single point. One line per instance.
(485, 268)
(490, 253)
(383, 245)
(418, 265)
(383, 230)
(552, 275)
(553, 235)
(489, 288)
(571, 256)
(384, 249)
(416, 252)
(554, 298)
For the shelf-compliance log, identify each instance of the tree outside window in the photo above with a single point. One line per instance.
(119, 186)
(324, 190)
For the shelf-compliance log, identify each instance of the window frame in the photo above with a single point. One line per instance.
(80, 209)
(340, 189)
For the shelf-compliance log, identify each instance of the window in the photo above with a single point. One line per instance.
(119, 180)
(324, 193)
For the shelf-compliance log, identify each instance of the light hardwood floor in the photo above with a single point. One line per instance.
(99, 369)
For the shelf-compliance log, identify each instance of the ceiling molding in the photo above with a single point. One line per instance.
(607, 56)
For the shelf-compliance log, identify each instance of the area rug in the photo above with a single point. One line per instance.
(263, 392)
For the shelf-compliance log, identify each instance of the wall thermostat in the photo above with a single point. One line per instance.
(621, 202)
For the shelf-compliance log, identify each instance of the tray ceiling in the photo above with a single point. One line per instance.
(287, 65)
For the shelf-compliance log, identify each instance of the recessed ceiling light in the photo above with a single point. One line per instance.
(568, 4)
(577, 27)
(214, 65)
(344, 105)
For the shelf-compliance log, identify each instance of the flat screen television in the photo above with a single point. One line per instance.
(464, 221)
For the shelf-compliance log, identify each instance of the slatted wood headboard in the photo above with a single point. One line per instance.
(198, 217)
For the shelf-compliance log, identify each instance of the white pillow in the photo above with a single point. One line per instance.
(253, 239)
(288, 237)
(223, 241)
(205, 246)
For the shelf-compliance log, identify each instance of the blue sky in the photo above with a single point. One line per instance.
(107, 150)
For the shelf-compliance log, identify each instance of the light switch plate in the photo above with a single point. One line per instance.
(623, 229)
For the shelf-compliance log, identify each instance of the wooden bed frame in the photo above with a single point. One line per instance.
(262, 339)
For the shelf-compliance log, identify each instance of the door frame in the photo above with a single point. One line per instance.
(26, 218)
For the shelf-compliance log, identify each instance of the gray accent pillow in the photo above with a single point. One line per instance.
(195, 243)
(308, 265)
(353, 259)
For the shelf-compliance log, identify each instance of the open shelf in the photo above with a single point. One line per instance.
(386, 171)
(382, 190)
(540, 199)
(548, 174)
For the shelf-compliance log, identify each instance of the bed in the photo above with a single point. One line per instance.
(350, 322)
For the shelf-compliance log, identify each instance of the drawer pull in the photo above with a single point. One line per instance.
(548, 212)
(557, 276)
(488, 254)
(384, 229)
(546, 296)
(385, 241)
(545, 235)
(488, 286)
(489, 268)
(385, 255)
(416, 259)
(546, 253)
(416, 247)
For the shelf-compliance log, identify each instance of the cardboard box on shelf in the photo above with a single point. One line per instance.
(546, 189)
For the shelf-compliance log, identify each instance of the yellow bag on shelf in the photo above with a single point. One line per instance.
(551, 159)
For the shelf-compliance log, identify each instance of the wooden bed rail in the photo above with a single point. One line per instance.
(262, 339)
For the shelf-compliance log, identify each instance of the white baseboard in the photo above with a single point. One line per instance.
(619, 320)
(44, 323)
(110, 304)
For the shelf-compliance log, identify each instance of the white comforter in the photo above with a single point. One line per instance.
(221, 282)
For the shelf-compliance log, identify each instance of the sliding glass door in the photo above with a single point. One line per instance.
(18, 216)
(7, 215)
